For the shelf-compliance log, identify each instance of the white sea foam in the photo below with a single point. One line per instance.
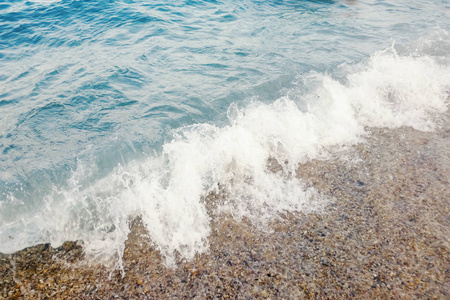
(168, 190)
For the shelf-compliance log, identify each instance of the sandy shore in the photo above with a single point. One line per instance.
(384, 235)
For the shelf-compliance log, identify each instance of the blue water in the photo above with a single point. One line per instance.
(87, 87)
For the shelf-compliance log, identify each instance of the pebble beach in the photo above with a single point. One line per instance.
(384, 234)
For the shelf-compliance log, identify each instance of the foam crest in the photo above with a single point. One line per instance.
(249, 165)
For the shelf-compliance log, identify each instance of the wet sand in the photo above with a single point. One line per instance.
(385, 234)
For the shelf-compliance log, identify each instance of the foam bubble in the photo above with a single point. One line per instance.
(393, 91)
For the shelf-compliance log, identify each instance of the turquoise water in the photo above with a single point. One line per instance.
(111, 109)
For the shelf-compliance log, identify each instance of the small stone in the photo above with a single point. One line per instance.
(139, 281)
(264, 294)
(50, 280)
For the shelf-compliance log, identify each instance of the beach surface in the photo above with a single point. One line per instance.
(383, 234)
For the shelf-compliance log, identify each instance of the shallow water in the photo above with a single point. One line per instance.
(113, 109)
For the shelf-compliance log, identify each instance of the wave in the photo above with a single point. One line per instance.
(245, 169)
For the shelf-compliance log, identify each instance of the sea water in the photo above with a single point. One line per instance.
(111, 110)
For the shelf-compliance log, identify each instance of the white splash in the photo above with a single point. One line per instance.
(168, 190)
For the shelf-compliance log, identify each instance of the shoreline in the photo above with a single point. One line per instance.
(383, 235)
